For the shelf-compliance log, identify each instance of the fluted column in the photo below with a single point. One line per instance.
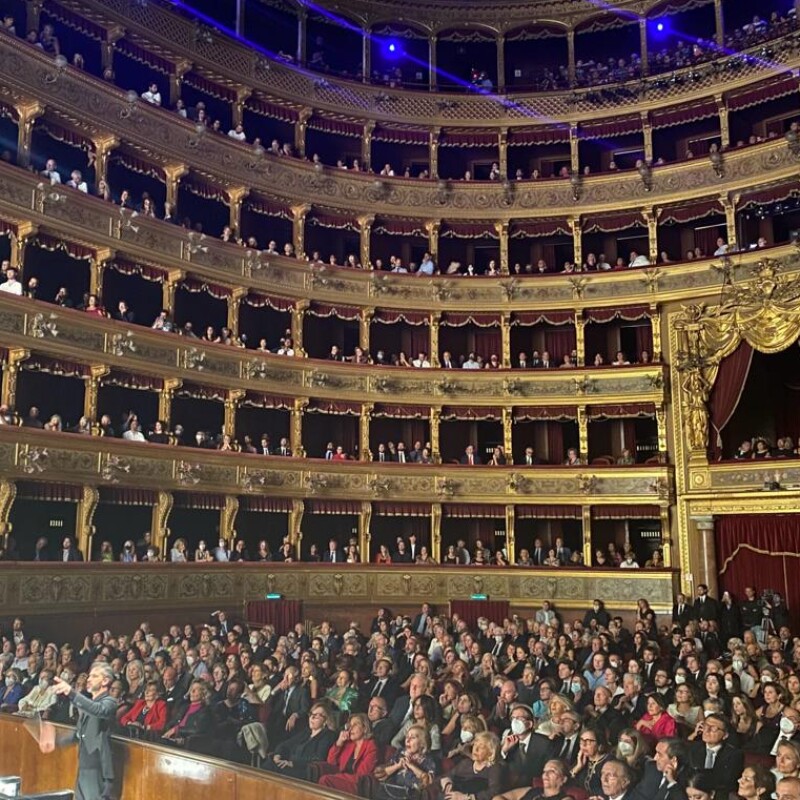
(172, 178)
(435, 419)
(505, 340)
(366, 145)
(91, 389)
(433, 151)
(236, 196)
(433, 226)
(364, 533)
(502, 238)
(511, 538)
(436, 532)
(159, 522)
(103, 146)
(666, 536)
(647, 135)
(165, 397)
(298, 317)
(300, 130)
(27, 114)
(661, 427)
(365, 223)
(296, 526)
(724, 123)
(169, 287)
(176, 80)
(8, 391)
(227, 520)
(19, 244)
(296, 427)
(580, 338)
(364, 452)
(234, 304)
(583, 433)
(113, 35)
(502, 143)
(299, 214)
(434, 332)
(233, 398)
(84, 520)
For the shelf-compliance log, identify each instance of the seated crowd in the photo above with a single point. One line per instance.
(702, 706)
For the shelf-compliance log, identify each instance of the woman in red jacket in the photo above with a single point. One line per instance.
(354, 754)
(149, 713)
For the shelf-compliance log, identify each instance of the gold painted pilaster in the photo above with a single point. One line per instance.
(433, 152)
(296, 526)
(364, 453)
(643, 46)
(436, 532)
(298, 316)
(364, 324)
(502, 142)
(366, 55)
(176, 80)
(227, 520)
(8, 392)
(574, 150)
(171, 385)
(432, 69)
(705, 568)
(724, 125)
(719, 23)
(435, 419)
(571, 56)
(232, 400)
(366, 146)
(302, 24)
(583, 433)
(364, 533)
(8, 493)
(97, 269)
(159, 522)
(661, 426)
(586, 517)
(580, 338)
(729, 206)
(33, 10)
(651, 221)
(508, 421)
(577, 240)
(169, 287)
(505, 340)
(365, 223)
(103, 146)
(27, 114)
(172, 178)
(299, 214)
(434, 326)
(647, 133)
(666, 536)
(19, 244)
(84, 520)
(237, 110)
(655, 326)
(236, 196)
(296, 427)
(433, 226)
(113, 35)
(300, 130)
(234, 307)
(500, 42)
(502, 237)
(511, 539)
(91, 389)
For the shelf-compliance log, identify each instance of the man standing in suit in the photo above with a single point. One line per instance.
(92, 733)
(705, 607)
(682, 611)
(563, 553)
(333, 555)
(716, 756)
(538, 554)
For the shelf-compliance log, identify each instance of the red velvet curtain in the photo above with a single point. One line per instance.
(644, 340)
(470, 610)
(487, 342)
(727, 392)
(706, 239)
(763, 551)
(555, 442)
(629, 435)
(559, 342)
(283, 614)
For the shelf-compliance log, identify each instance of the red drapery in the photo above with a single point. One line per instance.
(706, 238)
(727, 392)
(644, 340)
(763, 551)
(283, 614)
(559, 342)
(470, 610)
(555, 442)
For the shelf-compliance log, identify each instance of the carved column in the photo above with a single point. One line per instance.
(719, 23)
(507, 420)
(500, 41)
(8, 392)
(436, 532)
(435, 419)
(502, 236)
(502, 141)
(511, 539)
(169, 287)
(433, 226)
(432, 65)
(647, 134)
(365, 222)
(583, 433)
(8, 493)
(724, 125)
(364, 323)
(300, 129)
(176, 80)
(296, 526)
(571, 56)
(172, 177)
(643, 46)
(103, 146)
(159, 522)
(113, 35)
(296, 427)
(366, 146)
(299, 214)
(366, 55)
(434, 326)
(237, 110)
(84, 520)
(27, 114)
(505, 340)
(97, 268)
(234, 306)
(666, 536)
(433, 151)
(171, 385)
(364, 453)
(19, 244)
(655, 325)
(298, 315)
(577, 239)
(227, 520)
(232, 400)
(33, 9)
(580, 338)
(91, 388)
(651, 220)
(302, 19)
(364, 533)
(661, 427)
(236, 197)
(729, 206)
(574, 150)
(705, 565)
(586, 516)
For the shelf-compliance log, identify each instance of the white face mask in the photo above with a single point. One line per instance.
(625, 749)
(708, 712)
(787, 726)
(254, 641)
(190, 660)
(10, 681)
(679, 679)
(467, 736)
(728, 685)
(738, 665)
(518, 727)
(766, 678)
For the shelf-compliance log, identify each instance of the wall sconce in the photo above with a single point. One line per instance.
(575, 183)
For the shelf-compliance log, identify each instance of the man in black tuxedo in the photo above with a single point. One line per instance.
(524, 752)
(661, 778)
(538, 553)
(289, 707)
(649, 666)
(567, 746)
(404, 659)
(705, 607)
(682, 611)
(716, 756)
(381, 684)
(606, 719)
(334, 554)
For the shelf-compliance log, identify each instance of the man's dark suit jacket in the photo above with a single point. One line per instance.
(523, 769)
(648, 786)
(727, 769)
(340, 559)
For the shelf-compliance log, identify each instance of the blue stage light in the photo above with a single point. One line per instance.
(392, 47)
(660, 27)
